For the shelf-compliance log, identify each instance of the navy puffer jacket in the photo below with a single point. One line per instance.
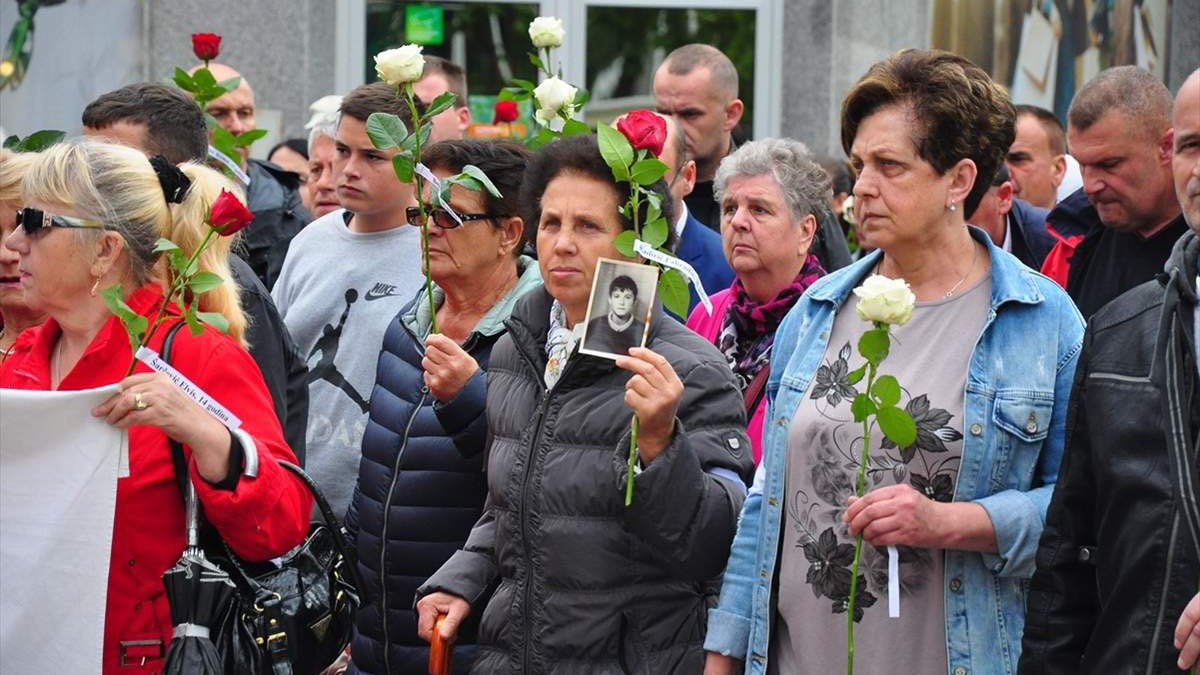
(422, 466)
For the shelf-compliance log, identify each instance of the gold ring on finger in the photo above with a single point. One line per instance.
(139, 403)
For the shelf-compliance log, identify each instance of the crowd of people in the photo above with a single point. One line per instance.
(1046, 515)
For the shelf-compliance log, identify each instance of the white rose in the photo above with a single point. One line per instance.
(401, 65)
(884, 300)
(552, 96)
(546, 31)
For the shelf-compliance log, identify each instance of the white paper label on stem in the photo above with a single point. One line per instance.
(228, 163)
(649, 253)
(151, 358)
(435, 185)
(893, 583)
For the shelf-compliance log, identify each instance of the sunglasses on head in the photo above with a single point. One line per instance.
(31, 220)
(442, 218)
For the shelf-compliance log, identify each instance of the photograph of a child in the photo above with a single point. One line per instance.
(619, 308)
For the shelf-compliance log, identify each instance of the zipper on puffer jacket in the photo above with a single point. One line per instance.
(387, 507)
(535, 441)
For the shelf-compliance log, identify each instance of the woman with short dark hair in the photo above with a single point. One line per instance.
(985, 367)
(421, 483)
(586, 583)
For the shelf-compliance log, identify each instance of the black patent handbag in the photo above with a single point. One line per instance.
(293, 615)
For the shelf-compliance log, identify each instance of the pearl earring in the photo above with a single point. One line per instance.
(952, 207)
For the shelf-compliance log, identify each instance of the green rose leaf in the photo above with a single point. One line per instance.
(624, 243)
(184, 81)
(135, 324)
(886, 391)
(11, 142)
(443, 102)
(616, 151)
(537, 62)
(524, 85)
(386, 131)
(214, 319)
(244, 140)
(673, 288)
(897, 425)
(653, 211)
(204, 282)
(513, 94)
(478, 174)
(193, 322)
(862, 407)
(647, 171)
(874, 345)
(230, 84)
(403, 165)
(39, 140)
(575, 128)
(856, 375)
(225, 142)
(582, 96)
(544, 136)
(655, 232)
(178, 259)
(164, 244)
(203, 80)
(425, 131)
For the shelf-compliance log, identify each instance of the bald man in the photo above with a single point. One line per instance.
(1115, 586)
(273, 193)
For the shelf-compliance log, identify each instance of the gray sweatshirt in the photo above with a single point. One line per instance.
(337, 292)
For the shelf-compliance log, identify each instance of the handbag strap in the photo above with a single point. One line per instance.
(757, 387)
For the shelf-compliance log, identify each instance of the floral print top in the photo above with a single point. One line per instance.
(929, 356)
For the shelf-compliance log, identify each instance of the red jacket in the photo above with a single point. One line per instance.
(261, 518)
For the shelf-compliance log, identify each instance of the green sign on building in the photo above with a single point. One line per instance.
(424, 24)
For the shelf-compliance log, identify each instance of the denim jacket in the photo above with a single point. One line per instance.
(1014, 414)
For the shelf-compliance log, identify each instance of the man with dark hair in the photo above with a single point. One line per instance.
(1013, 224)
(1037, 158)
(1118, 229)
(155, 118)
(346, 276)
(162, 120)
(1119, 558)
(442, 75)
(698, 86)
(272, 193)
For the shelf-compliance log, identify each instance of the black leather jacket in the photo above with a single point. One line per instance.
(1120, 554)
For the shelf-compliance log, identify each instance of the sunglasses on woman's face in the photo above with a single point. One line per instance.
(442, 218)
(32, 220)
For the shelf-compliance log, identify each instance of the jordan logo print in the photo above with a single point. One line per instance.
(327, 345)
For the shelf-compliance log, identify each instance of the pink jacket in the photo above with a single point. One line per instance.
(708, 326)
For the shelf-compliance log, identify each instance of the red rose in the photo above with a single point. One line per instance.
(506, 111)
(645, 130)
(206, 46)
(228, 214)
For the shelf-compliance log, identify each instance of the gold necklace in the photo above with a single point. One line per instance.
(974, 257)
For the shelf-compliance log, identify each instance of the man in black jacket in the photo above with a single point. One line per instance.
(1119, 560)
(162, 120)
(1013, 224)
(272, 193)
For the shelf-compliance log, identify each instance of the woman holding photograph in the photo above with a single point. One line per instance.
(984, 368)
(93, 214)
(587, 584)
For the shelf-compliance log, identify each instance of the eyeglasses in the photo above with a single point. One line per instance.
(32, 220)
(442, 218)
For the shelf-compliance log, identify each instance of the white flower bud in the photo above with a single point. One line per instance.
(546, 31)
(884, 300)
(553, 96)
(401, 65)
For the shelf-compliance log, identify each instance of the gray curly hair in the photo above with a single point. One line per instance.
(804, 184)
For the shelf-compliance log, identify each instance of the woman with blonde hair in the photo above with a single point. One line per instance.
(15, 314)
(93, 214)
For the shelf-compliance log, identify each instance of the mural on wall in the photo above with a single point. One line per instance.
(1044, 50)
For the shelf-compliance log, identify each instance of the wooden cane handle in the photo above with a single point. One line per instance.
(439, 650)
